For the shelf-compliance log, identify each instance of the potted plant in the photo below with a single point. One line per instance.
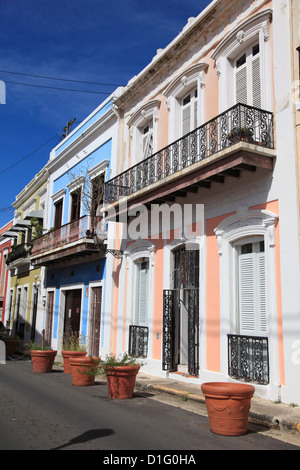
(73, 346)
(84, 369)
(121, 374)
(228, 406)
(11, 342)
(42, 357)
(239, 134)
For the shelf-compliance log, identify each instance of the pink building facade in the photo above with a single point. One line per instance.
(204, 204)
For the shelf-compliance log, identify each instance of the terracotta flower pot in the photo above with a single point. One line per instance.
(70, 354)
(83, 370)
(121, 381)
(42, 360)
(228, 407)
(11, 346)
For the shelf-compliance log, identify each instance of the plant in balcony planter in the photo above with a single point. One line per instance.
(84, 370)
(42, 357)
(73, 346)
(239, 134)
(228, 405)
(121, 374)
(11, 342)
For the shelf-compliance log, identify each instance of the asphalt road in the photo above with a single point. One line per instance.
(46, 412)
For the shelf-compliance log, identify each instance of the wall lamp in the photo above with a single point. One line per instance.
(99, 237)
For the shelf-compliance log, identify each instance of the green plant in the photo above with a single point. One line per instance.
(73, 342)
(31, 346)
(112, 360)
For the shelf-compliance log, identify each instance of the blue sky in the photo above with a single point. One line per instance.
(100, 41)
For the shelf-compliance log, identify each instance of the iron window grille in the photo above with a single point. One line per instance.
(248, 358)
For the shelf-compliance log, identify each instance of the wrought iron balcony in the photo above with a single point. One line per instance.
(19, 252)
(248, 358)
(69, 240)
(241, 123)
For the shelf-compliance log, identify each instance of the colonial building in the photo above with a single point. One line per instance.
(204, 199)
(74, 260)
(24, 310)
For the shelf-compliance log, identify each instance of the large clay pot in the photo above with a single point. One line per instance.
(83, 370)
(42, 360)
(228, 406)
(121, 381)
(70, 354)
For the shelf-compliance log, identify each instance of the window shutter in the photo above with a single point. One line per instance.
(142, 294)
(252, 292)
(262, 292)
(241, 85)
(246, 294)
(256, 82)
(186, 119)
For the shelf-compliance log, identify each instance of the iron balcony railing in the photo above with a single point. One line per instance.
(20, 251)
(248, 358)
(138, 341)
(239, 123)
(68, 233)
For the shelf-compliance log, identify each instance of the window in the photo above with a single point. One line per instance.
(251, 288)
(75, 205)
(248, 77)
(147, 140)
(244, 62)
(97, 193)
(58, 214)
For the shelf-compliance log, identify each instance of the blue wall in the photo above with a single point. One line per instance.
(73, 275)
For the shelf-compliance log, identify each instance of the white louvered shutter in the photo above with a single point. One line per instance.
(186, 119)
(252, 293)
(256, 82)
(142, 294)
(247, 294)
(241, 85)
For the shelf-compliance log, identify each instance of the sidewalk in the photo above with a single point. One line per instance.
(270, 414)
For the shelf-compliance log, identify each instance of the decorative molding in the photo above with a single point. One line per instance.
(245, 223)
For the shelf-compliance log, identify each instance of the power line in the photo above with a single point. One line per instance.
(31, 153)
(63, 89)
(61, 79)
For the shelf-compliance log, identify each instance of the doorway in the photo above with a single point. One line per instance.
(95, 320)
(181, 314)
(72, 312)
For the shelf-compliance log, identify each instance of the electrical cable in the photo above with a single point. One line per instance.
(31, 153)
(63, 89)
(61, 79)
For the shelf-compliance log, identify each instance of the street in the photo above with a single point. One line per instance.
(46, 412)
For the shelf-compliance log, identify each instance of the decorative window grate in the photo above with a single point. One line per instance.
(138, 340)
(248, 358)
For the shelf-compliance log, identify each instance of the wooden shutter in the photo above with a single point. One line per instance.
(256, 82)
(142, 293)
(252, 292)
(186, 119)
(241, 85)
(246, 294)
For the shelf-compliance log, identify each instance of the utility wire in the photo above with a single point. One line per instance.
(61, 79)
(31, 153)
(63, 89)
